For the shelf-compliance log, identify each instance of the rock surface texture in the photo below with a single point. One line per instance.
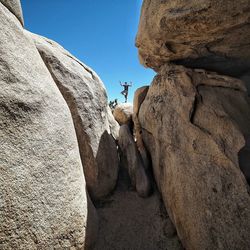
(14, 6)
(139, 97)
(132, 160)
(208, 34)
(123, 113)
(43, 202)
(86, 97)
(194, 124)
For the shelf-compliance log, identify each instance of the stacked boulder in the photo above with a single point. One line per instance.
(131, 157)
(123, 113)
(194, 122)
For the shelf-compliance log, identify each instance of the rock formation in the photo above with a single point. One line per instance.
(208, 34)
(14, 6)
(87, 99)
(43, 197)
(123, 113)
(139, 97)
(196, 123)
(192, 125)
(131, 159)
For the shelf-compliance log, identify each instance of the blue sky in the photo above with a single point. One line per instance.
(101, 33)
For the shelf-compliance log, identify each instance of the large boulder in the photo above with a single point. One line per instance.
(139, 96)
(43, 201)
(123, 113)
(14, 6)
(194, 123)
(207, 34)
(131, 159)
(86, 97)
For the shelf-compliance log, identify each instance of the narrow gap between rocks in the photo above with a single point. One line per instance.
(134, 216)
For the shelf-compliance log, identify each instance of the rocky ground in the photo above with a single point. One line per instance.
(127, 221)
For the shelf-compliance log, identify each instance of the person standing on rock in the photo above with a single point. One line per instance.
(125, 91)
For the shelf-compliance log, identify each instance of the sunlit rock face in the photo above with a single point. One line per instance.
(14, 6)
(123, 113)
(208, 34)
(43, 202)
(194, 123)
(86, 97)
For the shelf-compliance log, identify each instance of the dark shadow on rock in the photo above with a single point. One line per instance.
(107, 144)
(222, 65)
(108, 162)
(244, 160)
(131, 160)
(92, 225)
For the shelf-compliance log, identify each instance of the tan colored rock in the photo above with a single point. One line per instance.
(207, 34)
(43, 202)
(123, 113)
(194, 123)
(86, 97)
(132, 160)
(14, 6)
(139, 97)
(244, 159)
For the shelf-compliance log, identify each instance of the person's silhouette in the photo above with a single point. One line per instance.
(125, 91)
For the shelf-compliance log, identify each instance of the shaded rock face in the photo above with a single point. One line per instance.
(131, 158)
(42, 187)
(123, 113)
(113, 124)
(86, 97)
(14, 6)
(208, 34)
(139, 97)
(194, 124)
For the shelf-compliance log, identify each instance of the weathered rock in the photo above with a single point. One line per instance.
(113, 124)
(86, 97)
(123, 113)
(246, 79)
(244, 159)
(14, 6)
(207, 34)
(139, 97)
(43, 203)
(132, 161)
(194, 123)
